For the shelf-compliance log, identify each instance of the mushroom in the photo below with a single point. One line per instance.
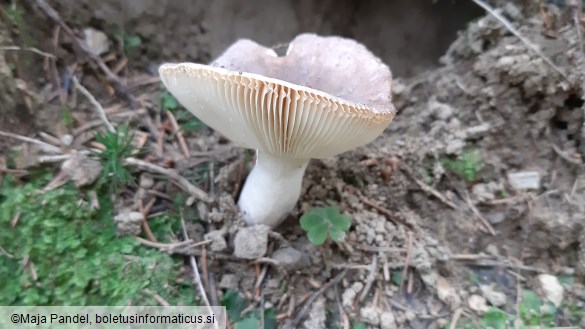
(325, 96)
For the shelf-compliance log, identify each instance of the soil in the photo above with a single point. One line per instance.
(481, 89)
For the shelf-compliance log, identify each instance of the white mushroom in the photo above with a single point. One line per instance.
(327, 95)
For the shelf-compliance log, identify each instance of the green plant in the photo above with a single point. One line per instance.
(323, 223)
(535, 312)
(466, 166)
(187, 121)
(235, 304)
(67, 253)
(118, 146)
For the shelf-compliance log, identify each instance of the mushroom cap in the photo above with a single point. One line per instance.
(327, 95)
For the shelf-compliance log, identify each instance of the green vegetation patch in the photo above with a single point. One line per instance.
(57, 250)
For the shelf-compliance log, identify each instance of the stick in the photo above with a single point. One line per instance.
(32, 49)
(301, 314)
(406, 261)
(45, 146)
(388, 214)
(196, 275)
(179, 134)
(478, 215)
(180, 180)
(98, 107)
(370, 279)
(522, 38)
(429, 190)
(55, 17)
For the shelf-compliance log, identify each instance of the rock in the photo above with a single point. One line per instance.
(129, 222)
(440, 110)
(350, 293)
(387, 321)
(81, 170)
(251, 242)
(492, 249)
(370, 315)
(495, 298)
(218, 242)
(317, 315)
(478, 304)
(482, 193)
(96, 41)
(447, 293)
(290, 258)
(524, 180)
(551, 288)
(146, 181)
(229, 281)
(495, 217)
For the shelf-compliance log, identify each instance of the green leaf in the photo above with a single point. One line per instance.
(336, 233)
(494, 318)
(169, 102)
(234, 304)
(248, 323)
(341, 222)
(317, 235)
(310, 221)
(358, 325)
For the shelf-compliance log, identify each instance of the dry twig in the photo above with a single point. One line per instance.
(522, 38)
(429, 190)
(44, 146)
(118, 85)
(294, 323)
(180, 180)
(98, 107)
(196, 276)
(387, 213)
(31, 49)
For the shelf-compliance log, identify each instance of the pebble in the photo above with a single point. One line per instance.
(370, 315)
(495, 298)
(251, 242)
(551, 288)
(218, 242)
(290, 258)
(387, 320)
(229, 281)
(129, 222)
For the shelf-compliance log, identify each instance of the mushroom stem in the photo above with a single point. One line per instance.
(272, 189)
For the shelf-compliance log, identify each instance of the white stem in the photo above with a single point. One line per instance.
(272, 189)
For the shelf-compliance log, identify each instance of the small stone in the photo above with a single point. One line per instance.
(229, 281)
(492, 249)
(551, 288)
(495, 217)
(146, 181)
(67, 139)
(350, 293)
(317, 315)
(387, 321)
(495, 298)
(251, 242)
(525, 180)
(290, 258)
(81, 170)
(129, 222)
(218, 242)
(409, 315)
(482, 193)
(478, 304)
(370, 315)
(447, 293)
(96, 41)
(440, 110)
